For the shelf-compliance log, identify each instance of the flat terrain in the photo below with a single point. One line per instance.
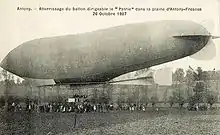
(124, 122)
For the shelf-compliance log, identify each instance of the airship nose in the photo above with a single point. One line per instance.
(12, 62)
(5, 64)
(8, 63)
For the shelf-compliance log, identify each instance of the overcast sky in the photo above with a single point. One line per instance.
(17, 27)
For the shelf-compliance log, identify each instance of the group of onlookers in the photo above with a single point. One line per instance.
(71, 107)
(82, 107)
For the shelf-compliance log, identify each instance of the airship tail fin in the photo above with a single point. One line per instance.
(214, 37)
(136, 81)
(161, 77)
(191, 36)
(206, 53)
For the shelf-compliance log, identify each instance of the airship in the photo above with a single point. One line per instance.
(102, 55)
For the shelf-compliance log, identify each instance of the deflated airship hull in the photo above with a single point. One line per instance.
(104, 54)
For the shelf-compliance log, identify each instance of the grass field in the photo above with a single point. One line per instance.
(151, 122)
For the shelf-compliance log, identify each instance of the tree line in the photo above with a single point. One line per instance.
(199, 82)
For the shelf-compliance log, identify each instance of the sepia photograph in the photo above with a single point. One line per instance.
(134, 67)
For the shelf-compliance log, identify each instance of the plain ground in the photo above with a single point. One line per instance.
(163, 121)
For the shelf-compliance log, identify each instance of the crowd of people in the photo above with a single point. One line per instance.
(64, 107)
